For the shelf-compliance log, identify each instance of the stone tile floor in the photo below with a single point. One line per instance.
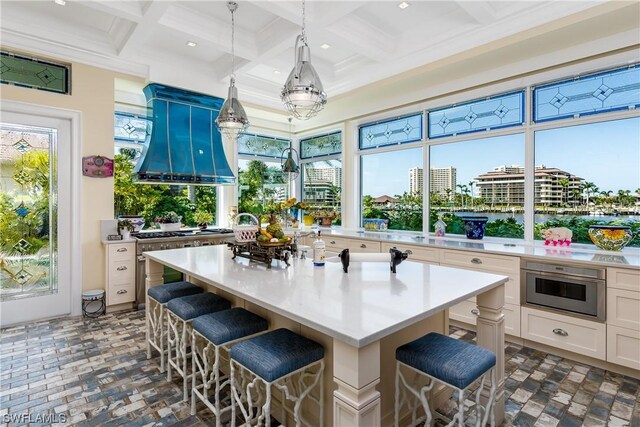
(95, 373)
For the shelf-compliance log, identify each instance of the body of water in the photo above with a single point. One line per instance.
(544, 217)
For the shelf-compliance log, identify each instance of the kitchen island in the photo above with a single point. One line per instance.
(360, 317)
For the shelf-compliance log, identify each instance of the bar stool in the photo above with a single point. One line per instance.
(448, 361)
(159, 296)
(180, 312)
(212, 333)
(274, 359)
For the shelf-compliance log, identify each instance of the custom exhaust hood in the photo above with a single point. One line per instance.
(184, 145)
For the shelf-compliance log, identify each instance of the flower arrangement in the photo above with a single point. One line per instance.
(324, 213)
(168, 218)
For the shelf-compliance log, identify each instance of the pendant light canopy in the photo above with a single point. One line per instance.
(289, 164)
(232, 119)
(302, 93)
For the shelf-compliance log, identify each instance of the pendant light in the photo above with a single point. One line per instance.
(302, 93)
(232, 119)
(289, 164)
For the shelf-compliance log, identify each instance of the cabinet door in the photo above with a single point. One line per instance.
(623, 346)
(467, 312)
(623, 308)
(622, 278)
(358, 245)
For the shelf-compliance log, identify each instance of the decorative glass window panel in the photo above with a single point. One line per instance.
(261, 145)
(590, 94)
(400, 130)
(34, 73)
(131, 127)
(322, 145)
(481, 115)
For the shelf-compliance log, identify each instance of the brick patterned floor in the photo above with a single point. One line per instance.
(95, 373)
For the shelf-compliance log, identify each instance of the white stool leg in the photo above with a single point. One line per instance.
(233, 394)
(266, 408)
(183, 350)
(169, 343)
(162, 336)
(396, 407)
(194, 354)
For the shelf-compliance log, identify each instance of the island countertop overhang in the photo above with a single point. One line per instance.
(358, 307)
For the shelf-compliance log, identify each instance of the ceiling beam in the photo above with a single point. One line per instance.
(129, 10)
(479, 11)
(141, 32)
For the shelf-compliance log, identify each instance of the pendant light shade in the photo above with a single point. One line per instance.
(289, 163)
(303, 94)
(232, 119)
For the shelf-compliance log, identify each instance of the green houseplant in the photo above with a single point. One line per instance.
(202, 218)
(169, 221)
(125, 228)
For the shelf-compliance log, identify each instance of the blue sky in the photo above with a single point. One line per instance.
(607, 154)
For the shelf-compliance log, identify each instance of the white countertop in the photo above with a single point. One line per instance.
(111, 242)
(358, 307)
(578, 253)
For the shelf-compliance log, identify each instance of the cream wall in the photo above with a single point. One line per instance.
(92, 93)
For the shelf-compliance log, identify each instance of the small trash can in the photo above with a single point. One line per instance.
(93, 303)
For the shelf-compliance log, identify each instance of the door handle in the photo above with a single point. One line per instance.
(121, 250)
(475, 312)
(121, 292)
(121, 268)
(363, 245)
(560, 332)
(476, 261)
(333, 242)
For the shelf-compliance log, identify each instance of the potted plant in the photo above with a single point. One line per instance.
(136, 220)
(170, 221)
(125, 227)
(325, 217)
(203, 218)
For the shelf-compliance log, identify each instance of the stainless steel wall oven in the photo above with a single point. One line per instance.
(576, 291)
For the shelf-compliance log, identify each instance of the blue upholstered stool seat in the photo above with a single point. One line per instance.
(229, 325)
(276, 353)
(165, 293)
(449, 360)
(192, 306)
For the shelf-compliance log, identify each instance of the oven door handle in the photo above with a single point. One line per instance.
(141, 258)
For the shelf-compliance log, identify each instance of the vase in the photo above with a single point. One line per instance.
(203, 226)
(326, 221)
(610, 237)
(375, 224)
(474, 226)
(307, 220)
(126, 234)
(171, 226)
(136, 220)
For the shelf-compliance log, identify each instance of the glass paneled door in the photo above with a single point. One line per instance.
(34, 218)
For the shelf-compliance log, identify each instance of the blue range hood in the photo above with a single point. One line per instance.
(184, 146)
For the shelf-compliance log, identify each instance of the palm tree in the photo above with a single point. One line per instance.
(463, 191)
(564, 183)
(471, 191)
(589, 188)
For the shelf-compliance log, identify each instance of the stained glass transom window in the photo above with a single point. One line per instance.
(261, 145)
(591, 94)
(481, 115)
(400, 130)
(131, 127)
(34, 73)
(322, 145)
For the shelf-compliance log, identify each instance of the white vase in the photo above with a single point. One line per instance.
(172, 226)
(126, 234)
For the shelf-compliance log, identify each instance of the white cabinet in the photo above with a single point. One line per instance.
(568, 333)
(418, 253)
(121, 273)
(467, 312)
(358, 245)
(623, 317)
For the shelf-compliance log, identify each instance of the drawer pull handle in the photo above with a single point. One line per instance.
(121, 250)
(121, 291)
(121, 268)
(476, 261)
(475, 312)
(363, 245)
(561, 332)
(333, 242)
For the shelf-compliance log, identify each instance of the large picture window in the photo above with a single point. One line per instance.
(391, 188)
(586, 175)
(479, 177)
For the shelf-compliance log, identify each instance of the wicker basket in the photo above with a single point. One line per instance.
(245, 232)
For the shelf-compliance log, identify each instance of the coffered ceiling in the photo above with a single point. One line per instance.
(367, 40)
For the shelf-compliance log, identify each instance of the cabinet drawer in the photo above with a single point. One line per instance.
(121, 271)
(418, 253)
(623, 346)
(334, 244)
(496, 264)
(467, 312)
(121, 293)
(623, 308)
(569, 333)
(357, 245)
(506, 265)
(621, 278)
(121, 251)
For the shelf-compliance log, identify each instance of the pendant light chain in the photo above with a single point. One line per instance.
(233, 44)
(304, 16)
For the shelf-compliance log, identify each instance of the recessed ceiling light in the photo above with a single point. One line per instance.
(403, 5)
(192, 44)
(325, 46)
(276, 71)
(60, 2)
